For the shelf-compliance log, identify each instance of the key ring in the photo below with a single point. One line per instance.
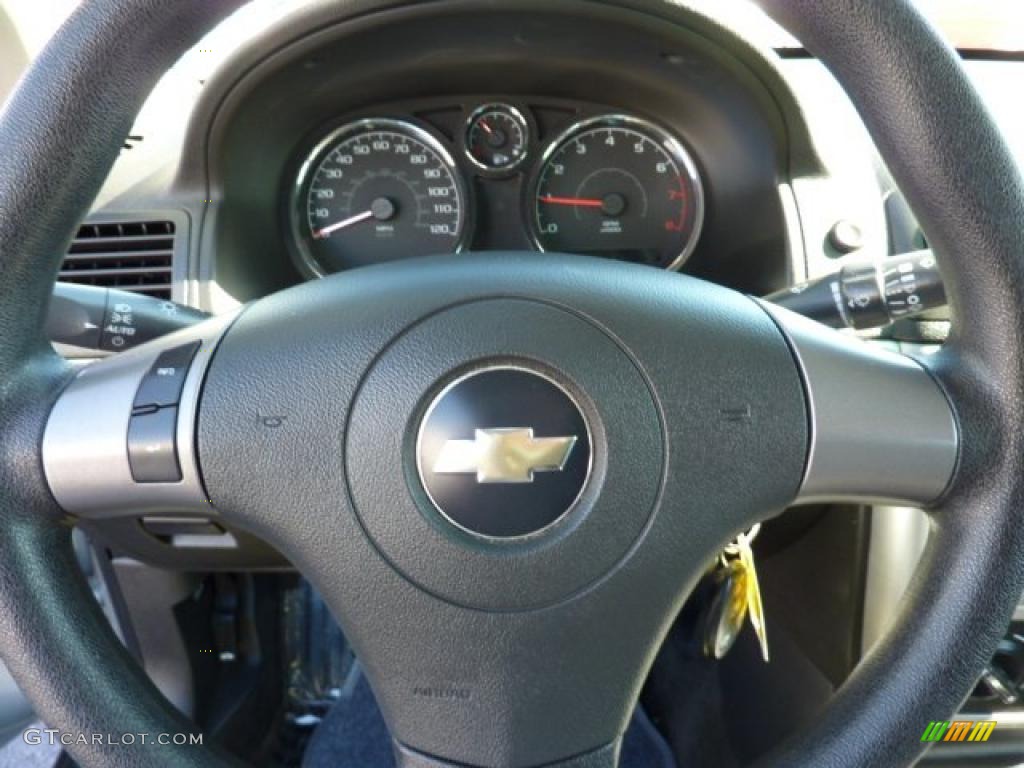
(744, 539)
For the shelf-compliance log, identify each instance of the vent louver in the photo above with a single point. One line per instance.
(133, 256)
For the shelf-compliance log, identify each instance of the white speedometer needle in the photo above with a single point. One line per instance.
(323, 232)
(380, 209)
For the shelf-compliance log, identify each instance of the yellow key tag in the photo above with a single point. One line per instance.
(728, 609)
(755, 608)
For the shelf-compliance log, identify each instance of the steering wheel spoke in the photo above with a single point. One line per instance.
(882, 429)
(120, 439)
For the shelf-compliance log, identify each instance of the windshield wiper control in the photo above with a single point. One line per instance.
(869, 294)
(112, 320)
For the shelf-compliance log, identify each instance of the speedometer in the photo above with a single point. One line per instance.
(376, 191)
(618, 187)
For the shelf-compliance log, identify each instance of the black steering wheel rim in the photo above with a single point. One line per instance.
(922, 112)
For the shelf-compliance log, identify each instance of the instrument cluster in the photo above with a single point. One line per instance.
(493, 174)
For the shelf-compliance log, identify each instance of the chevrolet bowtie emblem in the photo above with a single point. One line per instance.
(504, 455)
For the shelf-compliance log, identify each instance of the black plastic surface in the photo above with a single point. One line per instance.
(869, 294)
(76, 315)
(623, 422)
(532, 652)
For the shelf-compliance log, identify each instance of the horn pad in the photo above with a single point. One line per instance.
(486, 513)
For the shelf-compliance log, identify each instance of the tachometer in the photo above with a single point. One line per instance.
(375, 191)
(618, 187)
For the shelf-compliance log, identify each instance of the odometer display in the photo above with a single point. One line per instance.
(621, 188)
(376, 191)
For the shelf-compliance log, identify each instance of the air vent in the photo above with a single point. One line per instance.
(133, 256)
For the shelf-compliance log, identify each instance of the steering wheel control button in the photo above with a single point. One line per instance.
(152, 449)
(163, 382)
(504, 452)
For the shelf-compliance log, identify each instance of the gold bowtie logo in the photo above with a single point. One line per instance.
(504, 455)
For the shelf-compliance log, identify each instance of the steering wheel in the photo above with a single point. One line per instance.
(506, 473)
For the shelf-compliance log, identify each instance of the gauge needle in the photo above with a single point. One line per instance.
(581, 202)
(326, 231)
(381, 209)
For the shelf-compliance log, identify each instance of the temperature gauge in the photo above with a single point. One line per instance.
(497, 136)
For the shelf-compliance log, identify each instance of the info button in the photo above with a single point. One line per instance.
(162, 384)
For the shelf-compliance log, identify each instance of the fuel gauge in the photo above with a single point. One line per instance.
(497, 136)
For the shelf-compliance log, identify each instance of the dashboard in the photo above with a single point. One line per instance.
(493, 174)
(629, 138)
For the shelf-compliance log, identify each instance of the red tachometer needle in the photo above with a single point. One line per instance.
(582, 202)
